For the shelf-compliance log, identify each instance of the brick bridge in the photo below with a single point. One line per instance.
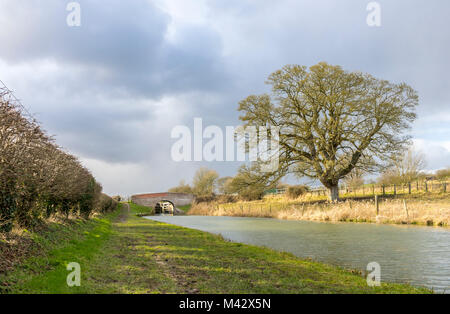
(177, 199)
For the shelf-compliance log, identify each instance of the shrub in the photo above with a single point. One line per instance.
(443, 174)
(296, 191)
(226, 198)
(204, 199)
(250, 194)
(105, 204)
(37, 178)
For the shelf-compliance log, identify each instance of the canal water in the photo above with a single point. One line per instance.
(407, 254)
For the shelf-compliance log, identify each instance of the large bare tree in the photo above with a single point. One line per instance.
(332, 121)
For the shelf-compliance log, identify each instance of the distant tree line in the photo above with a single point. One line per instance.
(37, 178)
(406, 168)
(207, 186)
(204, 183)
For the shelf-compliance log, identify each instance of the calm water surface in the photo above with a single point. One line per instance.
(407, 254)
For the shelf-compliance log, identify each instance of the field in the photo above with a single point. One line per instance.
(123, 253)
(431, 209)
(366, 190)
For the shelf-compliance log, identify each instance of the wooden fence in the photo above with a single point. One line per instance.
(381, 189)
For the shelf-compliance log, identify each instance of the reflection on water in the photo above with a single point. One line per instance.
(408, 254)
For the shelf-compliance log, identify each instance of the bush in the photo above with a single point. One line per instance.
(443, 174)
(37, 178)
(296, 191)
(226, 198)
(250, 194)
(106, 204)
(204, 199)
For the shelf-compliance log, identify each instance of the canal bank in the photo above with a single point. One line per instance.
(417, 209)
(406, 254)
(124, 253)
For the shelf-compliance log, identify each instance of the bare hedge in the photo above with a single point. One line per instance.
(37, 178)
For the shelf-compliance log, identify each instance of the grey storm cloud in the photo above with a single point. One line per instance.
(411, 45)
(123, 40)
(112, 89)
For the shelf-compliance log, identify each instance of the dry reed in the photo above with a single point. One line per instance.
(434, 210)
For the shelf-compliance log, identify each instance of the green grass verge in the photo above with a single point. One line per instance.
(123, 253)
(142, 210)
(60, 245)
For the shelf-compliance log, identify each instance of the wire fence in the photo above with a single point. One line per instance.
(424, 186)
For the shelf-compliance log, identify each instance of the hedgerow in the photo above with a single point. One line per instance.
(38, 179)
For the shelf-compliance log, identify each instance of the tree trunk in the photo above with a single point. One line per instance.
(333, 193)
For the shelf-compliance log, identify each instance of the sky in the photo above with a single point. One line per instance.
(112, 89)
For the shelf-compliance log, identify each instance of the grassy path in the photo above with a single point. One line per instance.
(123, 253)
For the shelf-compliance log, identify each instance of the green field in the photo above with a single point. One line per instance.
(123, 253)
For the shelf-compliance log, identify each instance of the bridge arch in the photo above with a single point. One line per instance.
(151, 199)
(165, 207)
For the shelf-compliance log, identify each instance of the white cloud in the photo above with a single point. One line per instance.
(437, 153)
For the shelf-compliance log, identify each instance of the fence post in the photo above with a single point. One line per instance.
(426, 186)
(445, 187)
(406, 210)
(409, 188)
(395, 189)
(373, 189)
(377, 205)
(384, 189)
